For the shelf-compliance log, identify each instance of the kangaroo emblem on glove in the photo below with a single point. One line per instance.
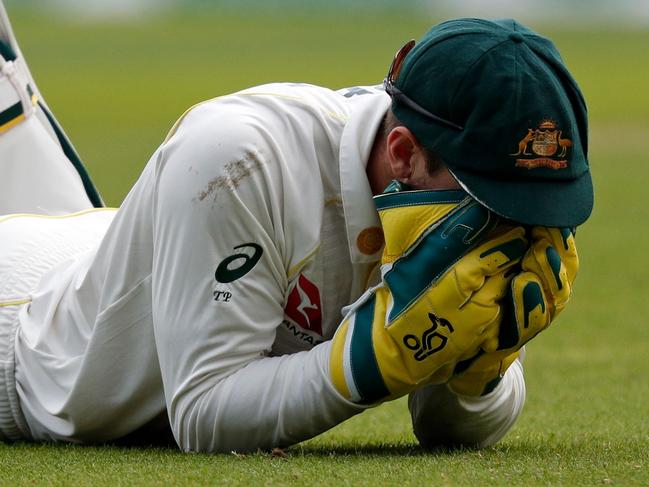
(424, 348)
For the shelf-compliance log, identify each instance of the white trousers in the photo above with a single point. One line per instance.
(30, 246)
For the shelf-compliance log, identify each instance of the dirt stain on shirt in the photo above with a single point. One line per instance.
(234, 173)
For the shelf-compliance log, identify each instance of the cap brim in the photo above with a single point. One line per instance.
(552, 203)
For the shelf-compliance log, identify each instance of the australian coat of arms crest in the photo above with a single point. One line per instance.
(543, 146)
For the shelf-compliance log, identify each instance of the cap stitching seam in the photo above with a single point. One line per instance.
(404, 72)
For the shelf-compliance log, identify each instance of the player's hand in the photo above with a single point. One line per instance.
(536, 296)
(438, 301)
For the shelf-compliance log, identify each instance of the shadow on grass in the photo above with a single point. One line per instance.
(379, 450)
(295, 451)
(532, 447)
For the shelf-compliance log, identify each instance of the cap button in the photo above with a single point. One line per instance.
(516, 37)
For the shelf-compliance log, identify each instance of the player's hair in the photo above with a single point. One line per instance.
(433, 161)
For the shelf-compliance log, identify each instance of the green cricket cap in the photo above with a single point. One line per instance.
(513, 128)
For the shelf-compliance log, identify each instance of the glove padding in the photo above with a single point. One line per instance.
(438, 299)
(536, 296)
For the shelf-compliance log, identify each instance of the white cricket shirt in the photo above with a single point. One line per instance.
(162, 316)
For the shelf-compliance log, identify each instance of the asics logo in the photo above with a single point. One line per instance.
(239, 264)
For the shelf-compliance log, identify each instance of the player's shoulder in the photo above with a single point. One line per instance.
(309, 99)
(314, 93)
(275, 104)
(299, 99)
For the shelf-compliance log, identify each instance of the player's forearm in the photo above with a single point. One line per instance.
(271, 402)
(442, 418)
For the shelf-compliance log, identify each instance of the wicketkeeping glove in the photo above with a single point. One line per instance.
(535, 297)
(437, 301)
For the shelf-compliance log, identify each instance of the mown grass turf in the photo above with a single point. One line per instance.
(118, 88)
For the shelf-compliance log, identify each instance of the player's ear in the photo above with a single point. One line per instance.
(403, 153)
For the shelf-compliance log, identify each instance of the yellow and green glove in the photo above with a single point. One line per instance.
(442, 277)
(536, 296)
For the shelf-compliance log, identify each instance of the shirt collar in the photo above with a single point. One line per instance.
(364, 234)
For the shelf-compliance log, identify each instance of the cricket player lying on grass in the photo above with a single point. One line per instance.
(435, 212)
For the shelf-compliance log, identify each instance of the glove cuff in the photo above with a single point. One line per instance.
(406, 215)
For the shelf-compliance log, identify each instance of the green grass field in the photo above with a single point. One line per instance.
(118, 88)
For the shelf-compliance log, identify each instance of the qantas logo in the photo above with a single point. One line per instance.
(303, 305)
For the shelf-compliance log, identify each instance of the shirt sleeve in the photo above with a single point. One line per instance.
(219, 282)
(441, 418)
